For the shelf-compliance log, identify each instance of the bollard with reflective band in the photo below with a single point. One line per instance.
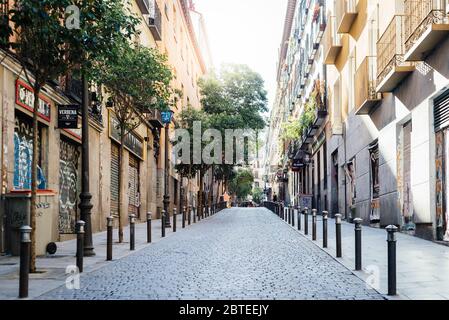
(314, 224)
(175, 218)
(391, 240)
(183, 217)
(298, 213)
(163, 223)
(149, 218)
(80, 244)
(338, 234)
(189, 215)
(358, 243)
(306, 221)
(325, 217)
(25, 253)
(110, 226)
(132, 232)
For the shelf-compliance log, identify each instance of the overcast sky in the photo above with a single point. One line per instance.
(247, 32)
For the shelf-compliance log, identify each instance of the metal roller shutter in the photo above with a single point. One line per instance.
(441, 111)
(114, 178)
(134, 192)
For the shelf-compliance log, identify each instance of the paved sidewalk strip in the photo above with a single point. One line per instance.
(420, 263)
(54, 267)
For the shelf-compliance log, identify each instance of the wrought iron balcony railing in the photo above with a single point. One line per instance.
(366, 96)
(426, 23)
(391, 66)
(346, 12)
(332, 41)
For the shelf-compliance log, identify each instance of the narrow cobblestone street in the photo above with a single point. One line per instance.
(236, 254)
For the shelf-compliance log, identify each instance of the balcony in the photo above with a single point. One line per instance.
(366, 96)
(332, 42)
(426, 24)
(391, 66)
(155, 118)
(154, 19)
(346, 12)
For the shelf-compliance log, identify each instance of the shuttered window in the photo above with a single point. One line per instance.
(114, 178)
(441, 111)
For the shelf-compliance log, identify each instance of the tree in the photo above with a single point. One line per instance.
(48, 46)
(242, 184)
(189, 169)
(234, 99)
(136, 81)
(257, 194)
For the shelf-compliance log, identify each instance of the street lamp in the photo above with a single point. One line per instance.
(85, 196)
(166, 120)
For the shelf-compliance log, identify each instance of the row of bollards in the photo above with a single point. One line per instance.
(288, 215)
(25, 239)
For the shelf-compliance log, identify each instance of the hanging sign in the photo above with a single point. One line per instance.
(68, 116)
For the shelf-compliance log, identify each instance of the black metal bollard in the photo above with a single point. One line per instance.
(391, 240)
(338, 234)
(298, 213)
(175, 215)
(189, 215)
(358, 243)
(163, 223)
(25, 252)
(80, 245)
(289, 210)
(306, 221)
(149, 218)
(183, 217)
(293, 216)
(325, 217)
(194, 214)
(110, 225)
(132, 231)
(314, 224)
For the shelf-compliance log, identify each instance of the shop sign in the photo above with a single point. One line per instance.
(68, 116)
(133, 143)
(25, 99)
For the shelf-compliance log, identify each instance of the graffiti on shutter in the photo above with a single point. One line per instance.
(69, 186)
(114, 178)
(134, 195)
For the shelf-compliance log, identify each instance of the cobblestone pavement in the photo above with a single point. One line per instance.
(237, 254)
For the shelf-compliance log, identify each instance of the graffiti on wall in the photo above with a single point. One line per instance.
(68, 186)
(23, 154)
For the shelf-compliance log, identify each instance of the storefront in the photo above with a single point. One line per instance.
(441, 123)
(134, 145)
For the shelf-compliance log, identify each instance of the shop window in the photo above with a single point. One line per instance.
(23, 154)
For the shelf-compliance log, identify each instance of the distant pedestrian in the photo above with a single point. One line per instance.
(275, 197)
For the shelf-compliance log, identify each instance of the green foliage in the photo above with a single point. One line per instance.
(234, 99)
(136, 80)
(241, 184)
(185, 120)
(308, 116)
(291, 130)
(257, 195)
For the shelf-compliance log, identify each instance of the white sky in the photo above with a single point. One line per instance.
(246, 32)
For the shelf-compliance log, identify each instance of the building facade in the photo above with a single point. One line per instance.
(165, 25)
(383, 136)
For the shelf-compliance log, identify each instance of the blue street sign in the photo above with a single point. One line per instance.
(166, 116)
